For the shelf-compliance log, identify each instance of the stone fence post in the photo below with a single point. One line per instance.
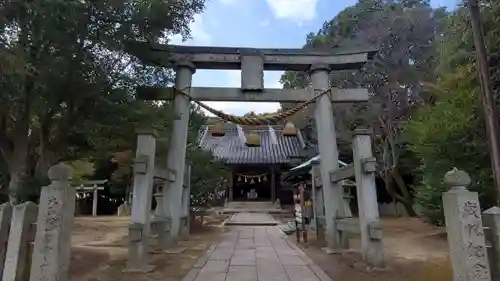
(491, 222)
(52, 250)
(5, 219)
(464, 227)
(22, 229)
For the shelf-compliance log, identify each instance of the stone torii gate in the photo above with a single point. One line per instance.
(253, 62)
(93, 186)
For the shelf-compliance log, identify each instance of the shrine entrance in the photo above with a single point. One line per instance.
(253, 187)
(253, 62)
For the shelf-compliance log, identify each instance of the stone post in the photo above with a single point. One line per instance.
(177, 148)
(5, 219)
(186, 193)
(56, 213)
(161, 222)
(466, 240)
(491, 221)
(144, 167)
(372, 249)
(94, 200)
(159, 212)
(327, 144)
(22, 231)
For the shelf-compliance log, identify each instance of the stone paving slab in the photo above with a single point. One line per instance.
(251, 219)
(255, 253)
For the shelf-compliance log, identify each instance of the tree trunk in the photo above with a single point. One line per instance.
(14, 186)
(409, 209)
(405, 200)
(408, 202)
(17, 164)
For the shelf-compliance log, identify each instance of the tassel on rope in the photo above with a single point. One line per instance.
(253, 139)
(219, 129)
(289, 130)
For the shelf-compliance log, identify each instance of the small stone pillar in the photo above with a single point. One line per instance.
(56, 213)
(22, 230)
(159, 212)
(5, 219)
(95, 199)
(160, 222)
(177, 147)
(467, 246)
(491, 222)
(327, 144)
(372, 249)
(124, 210)
(141, 201)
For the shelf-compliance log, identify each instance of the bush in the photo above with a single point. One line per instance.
(450, 134)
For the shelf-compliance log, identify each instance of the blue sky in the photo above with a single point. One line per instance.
(264, 24)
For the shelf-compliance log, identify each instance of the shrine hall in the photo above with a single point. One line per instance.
(257, 166)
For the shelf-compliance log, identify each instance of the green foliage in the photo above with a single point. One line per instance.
(450, 134)
(69, 84)
(207, 176)
(406, 33)
(82, 169)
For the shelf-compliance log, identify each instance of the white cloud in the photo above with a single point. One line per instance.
(264, 23)
(199, 34)
(294, 10)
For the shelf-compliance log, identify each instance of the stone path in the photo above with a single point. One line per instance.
(253, 219)
(255, 253)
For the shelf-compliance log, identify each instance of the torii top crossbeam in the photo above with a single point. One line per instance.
(204, 57)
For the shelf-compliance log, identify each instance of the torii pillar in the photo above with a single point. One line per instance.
(327, 145)
(177, 150)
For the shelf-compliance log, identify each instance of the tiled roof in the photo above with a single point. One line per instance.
(231, 150)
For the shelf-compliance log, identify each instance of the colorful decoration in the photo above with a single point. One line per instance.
(252, 179)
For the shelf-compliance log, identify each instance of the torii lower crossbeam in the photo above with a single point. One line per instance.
(267, 95)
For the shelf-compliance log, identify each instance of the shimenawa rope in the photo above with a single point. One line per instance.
(255, 120)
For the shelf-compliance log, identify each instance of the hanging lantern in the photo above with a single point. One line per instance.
(265, 178)
(239, 178)
(218, 129)
(252, 181)
(253, 140)
(289, 130)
